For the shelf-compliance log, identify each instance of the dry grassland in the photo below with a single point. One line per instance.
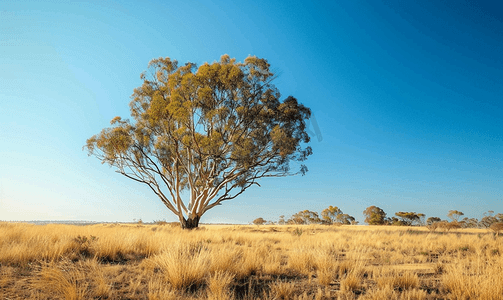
(247, 262)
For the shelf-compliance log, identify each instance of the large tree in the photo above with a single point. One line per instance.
(211, 131)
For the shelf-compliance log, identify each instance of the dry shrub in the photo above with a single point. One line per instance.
(272, 264)
(6, 276)
(68, 284)
(497, 227)
(352, 281)
(282, 290)
(249, 263)
(182, 265)
(398, 281)
(386, 292)
(101, 285)
(227, 259)
(325, 276)
(328, 268)
(301, 261)
(415, 294)
(158, 290)
(474, 280)
(218, 286)
(163, 294)
(433, 226)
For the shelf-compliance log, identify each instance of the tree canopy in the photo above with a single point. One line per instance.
(374, 215)
(409, 218)
(212, 131)
(454, 215)
(334, 215)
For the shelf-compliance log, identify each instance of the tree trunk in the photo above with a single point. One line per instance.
(190, 223)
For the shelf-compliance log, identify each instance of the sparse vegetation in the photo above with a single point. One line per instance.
(154, 261)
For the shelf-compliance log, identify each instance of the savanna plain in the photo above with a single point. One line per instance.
(162, 261)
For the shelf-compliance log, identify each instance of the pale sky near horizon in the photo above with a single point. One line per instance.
(407, 98)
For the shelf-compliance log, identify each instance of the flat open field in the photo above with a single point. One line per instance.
(113, 261)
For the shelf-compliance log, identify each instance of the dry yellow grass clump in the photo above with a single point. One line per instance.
(247, 262)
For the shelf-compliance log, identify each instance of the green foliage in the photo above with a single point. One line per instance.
(469, 223)
(304, 217)
(374, 215)
(489, 219)
(333, 215)
(330, 214)
(213, 130)
(408, 218)
(432, 220)
(296, 219)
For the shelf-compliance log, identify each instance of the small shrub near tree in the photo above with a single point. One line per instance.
(497, 227)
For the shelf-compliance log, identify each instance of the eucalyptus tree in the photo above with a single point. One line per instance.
(408, 218)
(330, 214)
(203, 135)
(454, 215)
(432, 220)
(374, 215)
(334, 215)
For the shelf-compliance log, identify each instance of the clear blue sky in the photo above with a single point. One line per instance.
(408, 99)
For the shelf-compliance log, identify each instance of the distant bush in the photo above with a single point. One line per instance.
(259, 221)
(497, 227)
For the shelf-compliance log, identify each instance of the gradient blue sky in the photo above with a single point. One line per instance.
(407, 97)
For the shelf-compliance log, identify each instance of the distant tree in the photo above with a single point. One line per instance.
(296, 219)
(212, 130)
(449, 225)
(421, 219)
(469, 223)
(454, 215)
(310, 217)
(489, 218)
(374, 215)
(395, 222)
(281, 220)
(432, 220)
(333, 215)
(497, 227)
(487, 221)
(329, 215)
(407, 218)
(259, 221)
(346, 219)
(433, 223)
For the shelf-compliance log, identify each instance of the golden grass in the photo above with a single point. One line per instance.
(114, 261)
